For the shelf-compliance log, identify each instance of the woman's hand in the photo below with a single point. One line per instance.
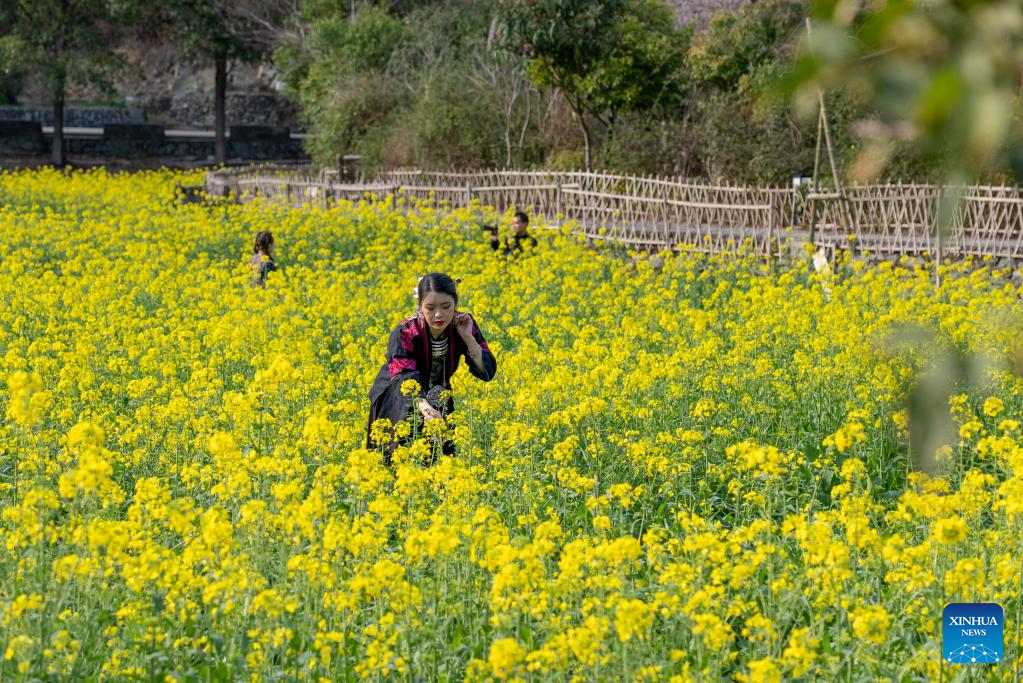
(463, 323)
(428, 411)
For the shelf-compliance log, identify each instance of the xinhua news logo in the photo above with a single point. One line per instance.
(972, 633)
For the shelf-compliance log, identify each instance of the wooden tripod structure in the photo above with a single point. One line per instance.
(823, 138)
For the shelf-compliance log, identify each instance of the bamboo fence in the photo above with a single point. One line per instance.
(655, 213)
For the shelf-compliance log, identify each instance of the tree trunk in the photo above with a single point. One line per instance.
(586, 139)
(220, 109)
(609, 139)
(57, 155)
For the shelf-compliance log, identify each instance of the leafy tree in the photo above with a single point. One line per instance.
(735, 132)
(735, 44)
(362, 42)
(566, 42)
(338, 74)
(62, 42)
(644, 73)
(607, 58)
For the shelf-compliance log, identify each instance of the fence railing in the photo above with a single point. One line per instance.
(654, 213)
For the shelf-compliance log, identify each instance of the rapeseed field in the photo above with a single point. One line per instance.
(693, 470)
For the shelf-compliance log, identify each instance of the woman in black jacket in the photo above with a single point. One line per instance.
(427, 348)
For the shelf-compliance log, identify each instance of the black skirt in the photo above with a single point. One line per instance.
(390, 403)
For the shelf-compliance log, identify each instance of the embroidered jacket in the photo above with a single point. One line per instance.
(409, 357)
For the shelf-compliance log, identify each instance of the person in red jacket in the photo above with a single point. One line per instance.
(427, 347)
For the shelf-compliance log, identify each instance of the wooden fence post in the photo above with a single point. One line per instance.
(557, 200)
(810, 217)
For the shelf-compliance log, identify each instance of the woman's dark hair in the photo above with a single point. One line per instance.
(437, 282)
(521, 215)
(264, 238)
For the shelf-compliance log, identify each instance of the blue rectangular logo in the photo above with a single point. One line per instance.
(971, 633)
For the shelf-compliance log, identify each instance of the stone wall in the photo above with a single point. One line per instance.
(134, 141)
(22, 138)
(74, 117)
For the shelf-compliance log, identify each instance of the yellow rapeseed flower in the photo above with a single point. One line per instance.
(870, 624)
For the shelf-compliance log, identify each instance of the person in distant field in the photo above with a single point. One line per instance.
(426, 347)
(262, 260)
(517, 240)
